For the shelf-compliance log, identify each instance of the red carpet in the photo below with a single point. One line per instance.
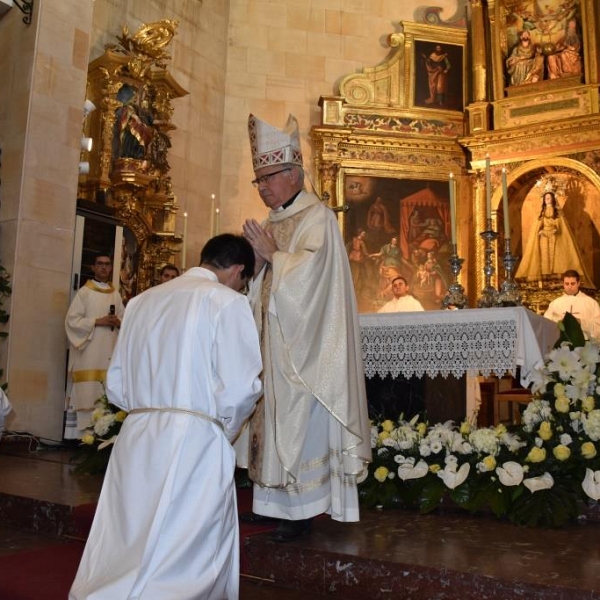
(48, 572)
(44, 573)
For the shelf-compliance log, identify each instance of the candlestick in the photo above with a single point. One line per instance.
(489, 294)
(184, 242)
(212, 215)
(453, 208)
(218, 222)
(488, 188)
(509, 290)
(455, 296)
(505, 205)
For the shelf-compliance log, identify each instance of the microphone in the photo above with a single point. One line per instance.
(111, 311)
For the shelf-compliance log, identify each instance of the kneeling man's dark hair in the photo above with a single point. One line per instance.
(226, 250)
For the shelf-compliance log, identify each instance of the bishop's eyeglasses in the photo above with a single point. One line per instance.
(267, 178)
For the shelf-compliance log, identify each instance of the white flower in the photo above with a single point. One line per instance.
(536, 412)
(591, 484)
(484, 441)
(453, 477)
(436, 446)
(564, 361)
(565, 439)
(374, 436)
(535, 484)
(412, 471)
(591, 424)
(107, 442)
(391, 443)
(589, 355)
(510, 473)
(424, 449)
(102, 425)
(512, 441)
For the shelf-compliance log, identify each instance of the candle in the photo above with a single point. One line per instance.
(212, 215)
(488, 188)
(505, 206)
(453, 208)
(218, 227)
(184, 241)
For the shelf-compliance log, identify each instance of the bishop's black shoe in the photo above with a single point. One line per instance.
(291, 530)
(253, 518)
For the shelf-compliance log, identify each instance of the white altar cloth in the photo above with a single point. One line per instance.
(486, 341)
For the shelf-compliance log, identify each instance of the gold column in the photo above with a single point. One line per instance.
(478, 110)
(479, 62)
(478, 180)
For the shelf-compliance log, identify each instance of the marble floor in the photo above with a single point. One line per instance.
(389, 554)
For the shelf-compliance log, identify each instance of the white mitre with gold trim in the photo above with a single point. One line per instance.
(272, 146)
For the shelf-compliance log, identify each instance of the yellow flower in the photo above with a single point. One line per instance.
(384, 435)
(500, 429)
(87, 438)
(381, 474)
(465, 428)
(588, 404)
(588, 450)
(562, 404)
(387, 425)
(562, 452)
(421, 429)
(434, 468)
(536, 455)
(559, 390)
(489, 462)
(545, 430)
(120, 416)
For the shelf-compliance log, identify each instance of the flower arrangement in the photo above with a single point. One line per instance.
(541, 473)
(99, 437)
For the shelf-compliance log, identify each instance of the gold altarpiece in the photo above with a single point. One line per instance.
(128, 165)
(544, 131)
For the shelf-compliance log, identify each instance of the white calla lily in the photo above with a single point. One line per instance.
(453, 477)
(510, 473)
(536, 484)
(591, 484)
(410, 471)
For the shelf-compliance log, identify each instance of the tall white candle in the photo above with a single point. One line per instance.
(184, 242)
(505, 206)
(488, 188)
(212, 215)
(218, 223)
(453, 208)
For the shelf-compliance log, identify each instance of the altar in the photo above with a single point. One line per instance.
(470, 342)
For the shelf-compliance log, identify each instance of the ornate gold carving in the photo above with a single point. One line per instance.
(129, 167)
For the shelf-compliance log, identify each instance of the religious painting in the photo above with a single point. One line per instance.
(439, 78)
(543, 41)
(397, 227)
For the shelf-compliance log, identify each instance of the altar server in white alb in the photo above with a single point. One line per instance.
(187, 369)
(92, 326)
(402, 300)
(308, 441)
(583, 307)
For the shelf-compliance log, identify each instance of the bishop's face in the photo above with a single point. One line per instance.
(276, 184)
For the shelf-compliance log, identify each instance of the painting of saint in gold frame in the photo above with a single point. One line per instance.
(439, 77)
(397, 227)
